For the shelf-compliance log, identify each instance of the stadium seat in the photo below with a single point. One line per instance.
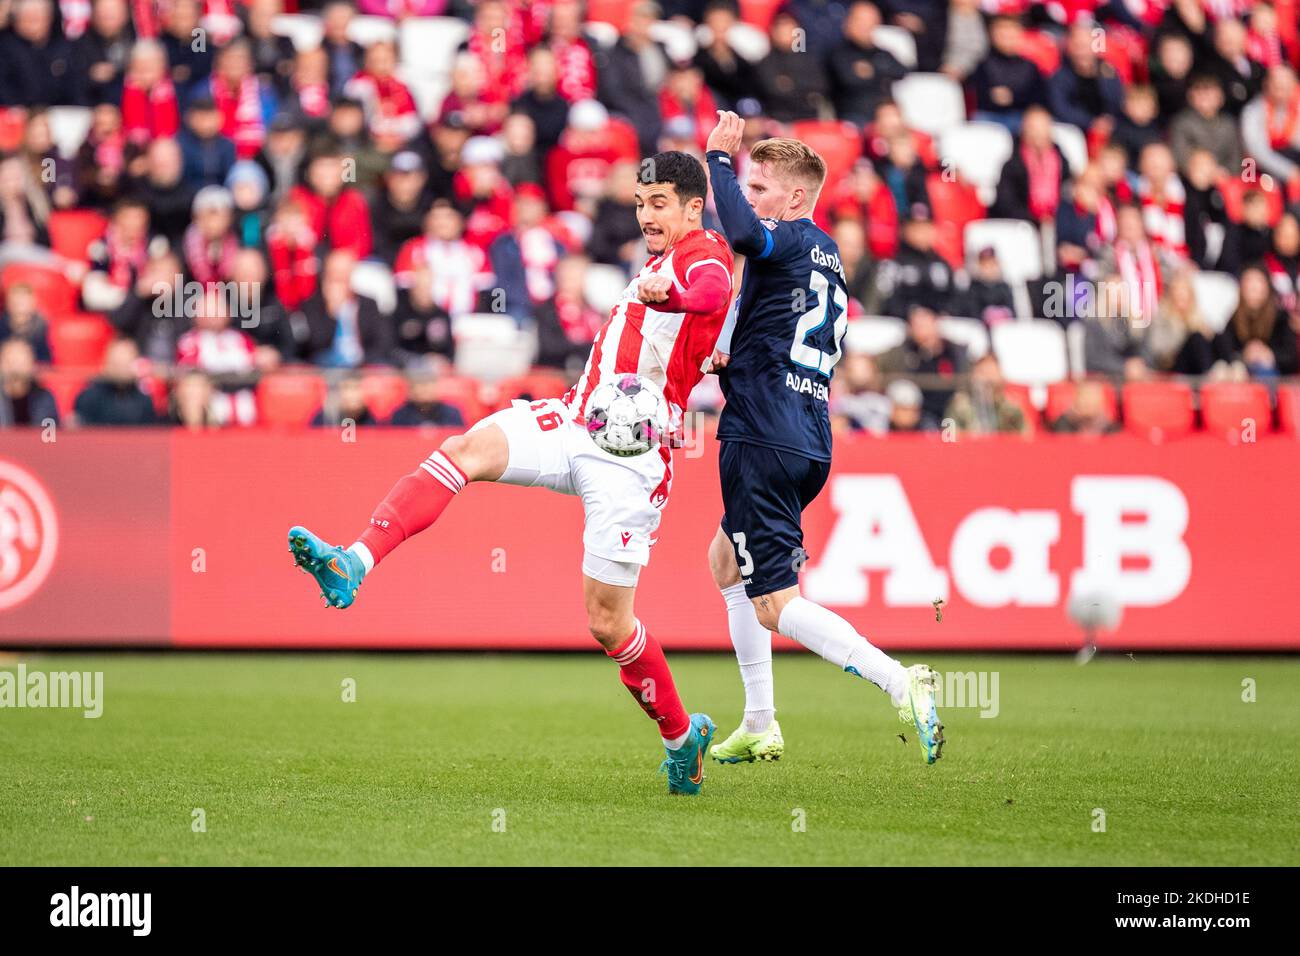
(428, 45)
(1016, 243)
(73, 230)
(605, 34)
(539, 383)
(1234, 190)
(1073, 144)
(79, 341)
(1216, 295)
(760, 12)
(1031, 353)
(304, 30)
(1158, 410)
(971, 334)
(1042, 50)
(374, 280)
(68, 128)
(838, 143)
(613, 12)
(930, 102)
(874, 334)
(677, 39)
(492, 347)
(289, 399)
(977, 151)
(1060, 396)
(897, 42)
(367, 30)
(603, 286)
(1288, 410)
(384, 393)
(13, 123)
(749, 41)
(65, 384)
(55, 295)
(955, 203)
(1228, 408)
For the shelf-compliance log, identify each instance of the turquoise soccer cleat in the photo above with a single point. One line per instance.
(685, 766)
(337, 570)
(918, 709)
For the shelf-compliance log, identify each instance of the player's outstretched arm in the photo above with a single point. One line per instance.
(743, 229)
(707, 289)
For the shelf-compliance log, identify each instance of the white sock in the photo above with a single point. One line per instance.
(826, 633)
(362, 552)
(753, 644)
(676, 742)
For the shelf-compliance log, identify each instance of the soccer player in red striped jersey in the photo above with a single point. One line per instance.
(664, 328)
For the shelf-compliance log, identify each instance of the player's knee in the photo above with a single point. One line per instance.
(722, 564)
(607, 627)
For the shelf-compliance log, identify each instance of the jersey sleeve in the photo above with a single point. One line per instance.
(749, 235)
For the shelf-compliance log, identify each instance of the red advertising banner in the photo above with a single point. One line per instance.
(168, 538)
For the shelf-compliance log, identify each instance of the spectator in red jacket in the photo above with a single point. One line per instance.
(391, 115)
(336, 211)
(149, 109)
(573, 60)
(592, 142)
(482, 193)
(291, 247)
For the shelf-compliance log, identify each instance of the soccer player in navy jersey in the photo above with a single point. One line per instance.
(774, 360)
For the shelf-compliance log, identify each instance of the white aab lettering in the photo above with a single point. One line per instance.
(806, 386)
(102, 909)
(1124, 518)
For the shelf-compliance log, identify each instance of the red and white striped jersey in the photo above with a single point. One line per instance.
(669, 348)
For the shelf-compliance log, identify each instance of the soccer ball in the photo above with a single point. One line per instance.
(627, 416)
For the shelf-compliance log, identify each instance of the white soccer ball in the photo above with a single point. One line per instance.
(627, 416)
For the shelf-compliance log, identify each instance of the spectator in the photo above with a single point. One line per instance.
(1138, 126)
(1087, 414)
(21, 320)
(982, 406)
(1005, 83)
(397, 213)
(337, 212)
(191, 404)
(308, 90)
(685, 97)
(1136, 260)
(1240, 76)
(860, 404)
(629, 73)
(345, 54)
(989, 297)
(260, 313)
(864, 197)
(100, 55)
(24, 213)
(481, 192)
(567, 325)
(524, 257)
(1249, 241)
(1084, 91)
(1270, 126)
(918, 276)
(210, 245)
(1162, 196)
(927, 21)
(1171, 71)
(423, 326)
(344, 330)
(149, 107)
(1204, 125)
(47, 166)
(967, 42)
(1205, 210)
(423, 406)
(906, 408)
(861, 73)
(117, 259)
(153, 313)
(346, 135)
(859, 269)
(36, 63)
(592, 143)
(1029, 187)
(905, 175)
(458, 271)
(520, 164)
(163, 191)
(101, 161)
(191, 63)
(391, 115)
(541, 100)
(115, 398)
(471, 101)
(244, 103)
(791, 83)
(22, 400)
(349, 406)
(1258, 335)
(574, 61)
(291, 249)
(248, 185)
(1086, 222)
(214, 347)
(282, 156)
(727, 74)
(1283, 262)
(208, 153)
(497, 41)
(1111, 346)
(1179, 341)
(926, 352)
(273, 55)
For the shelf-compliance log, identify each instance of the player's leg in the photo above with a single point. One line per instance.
(759, 735)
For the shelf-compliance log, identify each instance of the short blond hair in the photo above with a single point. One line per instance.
(789, 158)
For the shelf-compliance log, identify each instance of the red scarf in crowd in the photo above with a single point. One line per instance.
(241, 114)
(207, 261)
(1141, 273)
(149, 114)
(293, 266)
(1163, 217)
(1282, 128)
(1044, 169)
(124, 260)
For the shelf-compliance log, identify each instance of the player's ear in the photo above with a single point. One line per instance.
(695, 208)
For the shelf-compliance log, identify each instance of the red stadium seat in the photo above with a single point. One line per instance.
(1158, 410)
(384, 393)
(13, 121)
(464, 394)
(73, 230)
(55, 295)
(840, 144)
(616, 12)
(540, 383)
(1288, 410)
(1060, 396)
(65, 384)
(289, 399)
(955, 204)
(1234, 192)
(760, 13)
(1041, 49)
(78, 341)
(1228, 408)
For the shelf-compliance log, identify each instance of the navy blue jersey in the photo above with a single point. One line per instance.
(789, 320)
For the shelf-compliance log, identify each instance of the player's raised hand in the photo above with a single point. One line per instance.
(654, 289)
(728, 134)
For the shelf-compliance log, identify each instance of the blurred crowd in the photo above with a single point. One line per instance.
(261, 187)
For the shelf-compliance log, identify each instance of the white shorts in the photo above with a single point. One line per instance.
(621, 497)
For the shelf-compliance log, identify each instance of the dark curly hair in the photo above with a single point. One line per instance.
(682, 170)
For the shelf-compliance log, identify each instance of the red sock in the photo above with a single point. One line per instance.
(645, 673)
(415, 502)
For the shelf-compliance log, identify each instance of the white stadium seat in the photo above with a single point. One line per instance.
(1074, 343)
(897, 42)
(1216, 295)
(605, 34)
(874, 334)
(971, 334)
(1073, 144)
(68, 128)
(428, 45)
(930, 102)
(603, 286)
(367, 30)
(977, 151)
(678, 40)
(492, 347)
(1015, 242)
(374, 280)
(1031, 353)
(303, 29)
(749, 41)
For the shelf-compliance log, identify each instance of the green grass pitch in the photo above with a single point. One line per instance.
(534, 759)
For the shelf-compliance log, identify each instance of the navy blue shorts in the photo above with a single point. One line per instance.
(764, 492)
